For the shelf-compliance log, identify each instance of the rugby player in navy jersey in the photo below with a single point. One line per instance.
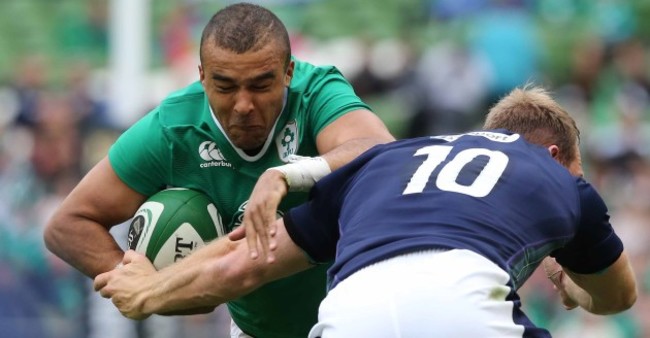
(433, 236)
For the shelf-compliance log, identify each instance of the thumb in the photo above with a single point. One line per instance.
(100, 281)
(132, 256)
(237, 234)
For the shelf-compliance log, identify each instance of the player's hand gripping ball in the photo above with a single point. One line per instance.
(172, 224)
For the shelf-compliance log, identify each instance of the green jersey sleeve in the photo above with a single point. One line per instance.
(140, 153)
(326, 95)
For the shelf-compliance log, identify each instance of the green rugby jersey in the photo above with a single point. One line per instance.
(180, 144)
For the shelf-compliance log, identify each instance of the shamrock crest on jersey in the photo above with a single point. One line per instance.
(287, 141)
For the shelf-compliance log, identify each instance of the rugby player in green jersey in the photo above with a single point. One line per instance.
(255, 107)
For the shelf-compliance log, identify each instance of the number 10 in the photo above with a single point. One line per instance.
(446, 179)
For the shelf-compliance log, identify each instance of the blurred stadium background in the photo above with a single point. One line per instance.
(75, 73)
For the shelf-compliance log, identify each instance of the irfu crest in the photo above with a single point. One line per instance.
(287, 141)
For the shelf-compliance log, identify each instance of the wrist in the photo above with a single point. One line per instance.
(279, 180)
(148, 304)
(302, 174)
(155, 297)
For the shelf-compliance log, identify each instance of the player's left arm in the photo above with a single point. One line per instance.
(350, 135)
(338, 143)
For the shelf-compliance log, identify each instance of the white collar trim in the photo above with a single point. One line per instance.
(269, 137)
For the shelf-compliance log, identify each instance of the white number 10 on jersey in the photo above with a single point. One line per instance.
(447, 178)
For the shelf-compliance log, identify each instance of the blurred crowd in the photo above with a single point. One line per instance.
(439, 71)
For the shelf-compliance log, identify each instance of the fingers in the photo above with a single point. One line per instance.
(553, 270)
(100, 284)
(555, 274)
(256, 232)
(251, 238)
(570, 307)
(100, 281)
(567, 301)
(122, 285)
(259, 223)
(237, 234)
(104, 292)
(550, 266)
(266, 228)
(260, 213)
(271, 231)
(260, 231)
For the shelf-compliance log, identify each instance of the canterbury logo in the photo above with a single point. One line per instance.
(209, 152)
(212, 156)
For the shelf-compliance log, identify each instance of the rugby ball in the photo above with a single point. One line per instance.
(172, 224)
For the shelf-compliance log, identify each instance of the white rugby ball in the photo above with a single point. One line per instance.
(172, 224)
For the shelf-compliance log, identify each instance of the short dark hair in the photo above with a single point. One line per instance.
(244, 27)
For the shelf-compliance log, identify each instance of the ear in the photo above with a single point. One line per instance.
(289, 75)
(554, 151)
(201, 74)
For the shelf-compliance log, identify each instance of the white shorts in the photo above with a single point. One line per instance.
(455, 293)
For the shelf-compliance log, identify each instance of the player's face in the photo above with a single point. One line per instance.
(245, 91)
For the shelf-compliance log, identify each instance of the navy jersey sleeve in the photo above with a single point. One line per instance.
(595, 245)
(318, 240)
(313, 226)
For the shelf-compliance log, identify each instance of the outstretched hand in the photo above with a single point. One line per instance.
(127, 284)
(260, 215)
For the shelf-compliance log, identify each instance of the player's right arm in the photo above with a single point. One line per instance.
(217, 273)
(78, 230)
(610, 291)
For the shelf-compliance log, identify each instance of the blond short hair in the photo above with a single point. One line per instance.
(532, 113)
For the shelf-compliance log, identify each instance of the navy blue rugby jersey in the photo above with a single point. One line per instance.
(490, 192)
